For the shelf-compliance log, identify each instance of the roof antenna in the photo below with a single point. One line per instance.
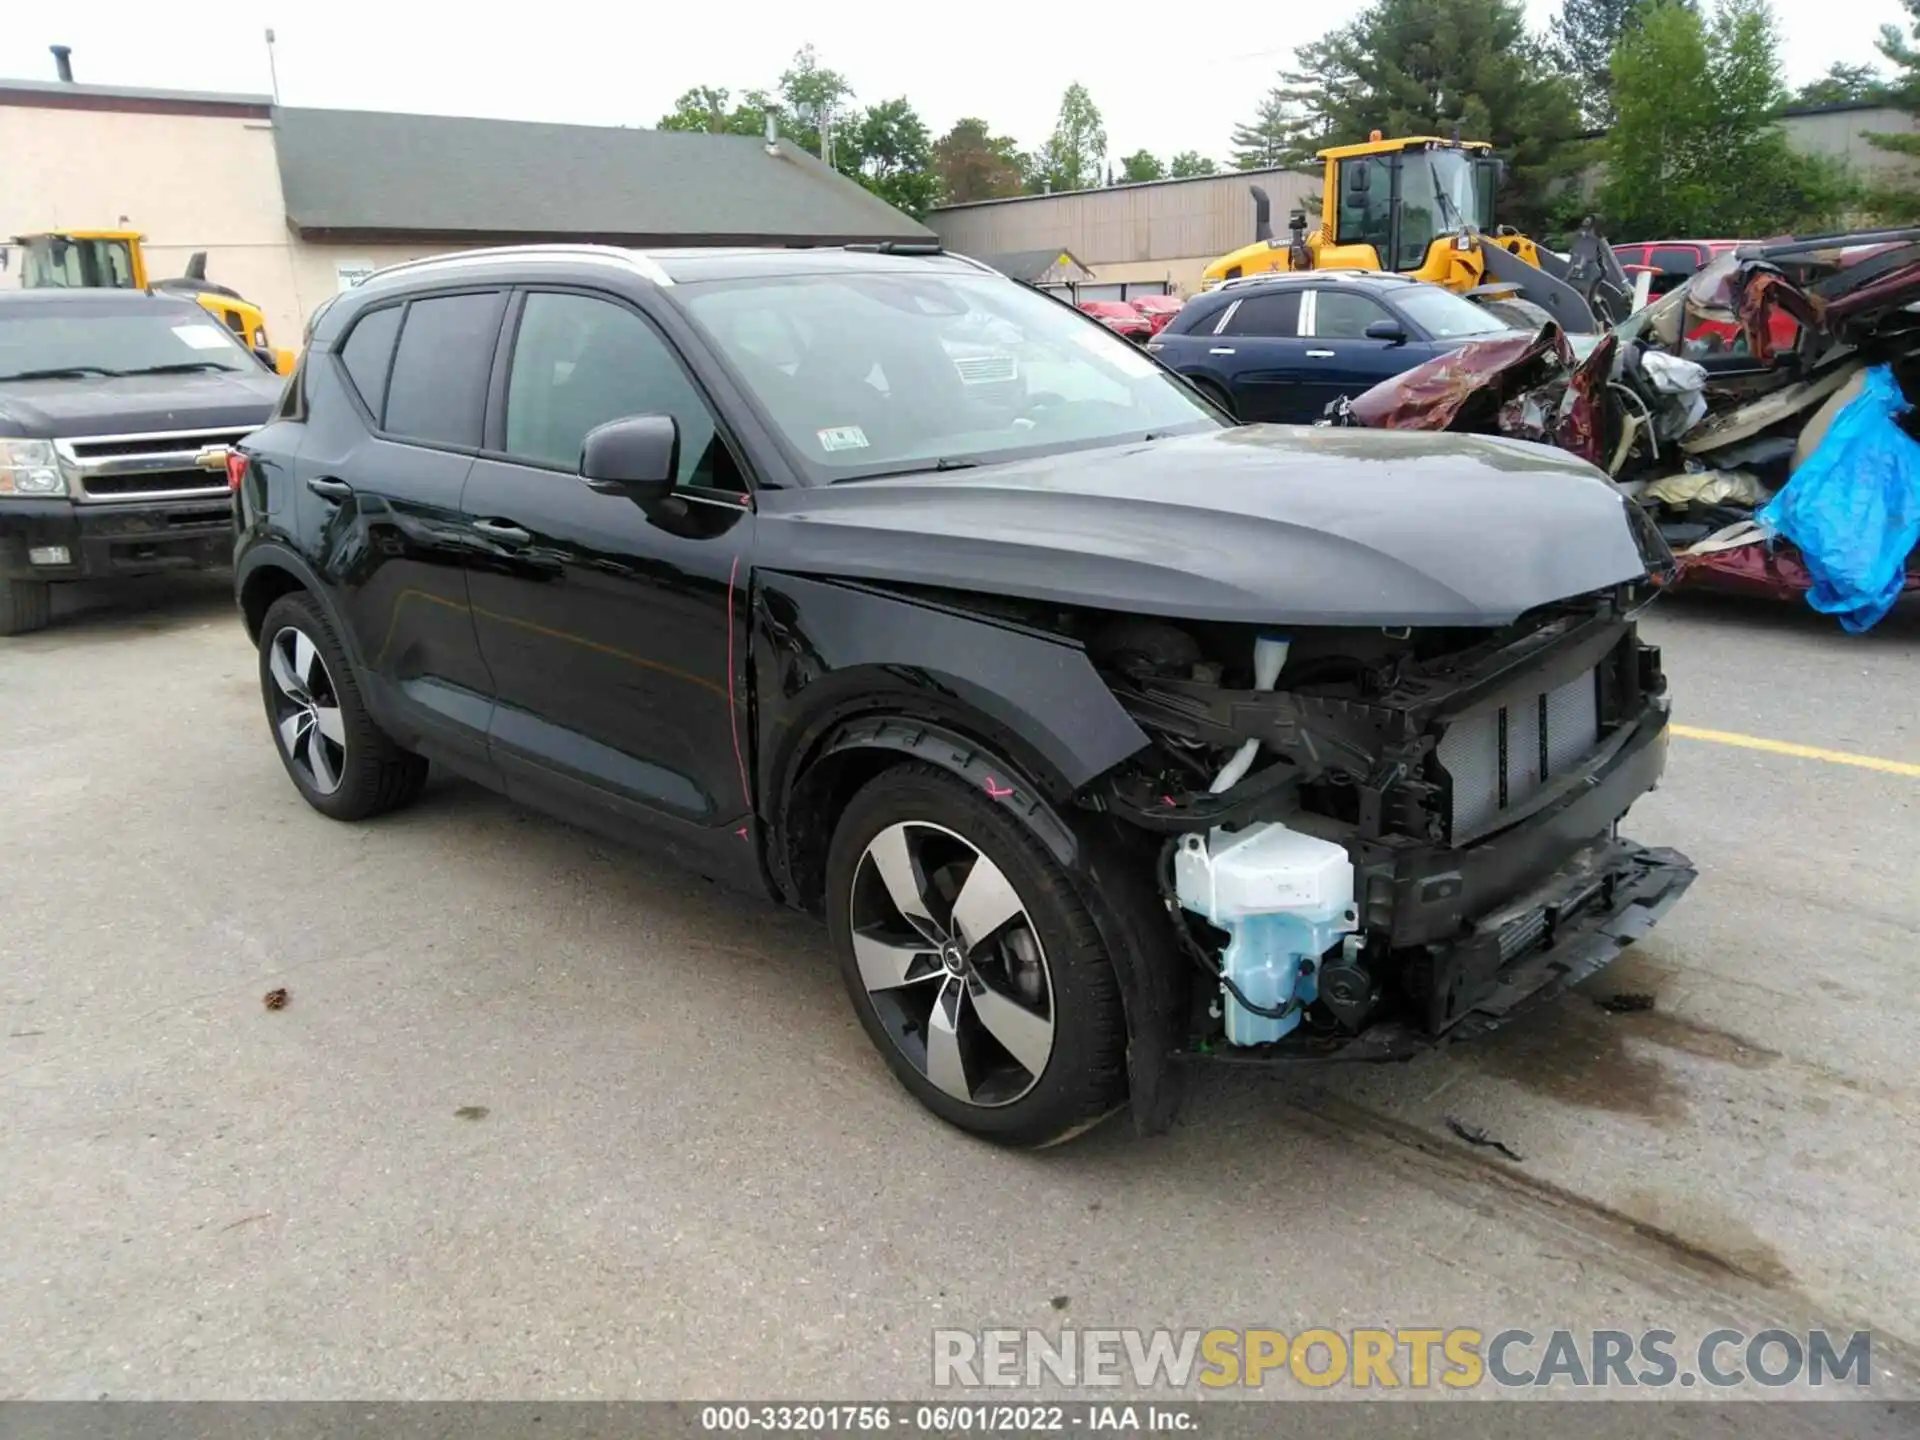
(63, 62)
(773, 130)
(273, 70)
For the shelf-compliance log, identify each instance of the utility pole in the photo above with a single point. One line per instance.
(273, 70)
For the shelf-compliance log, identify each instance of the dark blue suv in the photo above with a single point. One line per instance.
(1284, 347)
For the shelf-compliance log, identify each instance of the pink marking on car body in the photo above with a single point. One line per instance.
(995, 792)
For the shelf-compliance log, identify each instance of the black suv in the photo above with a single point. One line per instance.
(1103, 733)
(117, 408)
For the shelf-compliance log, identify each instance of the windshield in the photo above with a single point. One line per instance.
(1436, 198)
(1445, 315)
(72, 343)
(870, 374)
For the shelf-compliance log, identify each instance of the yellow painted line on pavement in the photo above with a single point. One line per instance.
(1803, 752)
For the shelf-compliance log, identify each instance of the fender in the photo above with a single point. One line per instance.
(818, 646)
(270, 554)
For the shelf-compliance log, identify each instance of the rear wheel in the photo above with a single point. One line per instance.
(343, 764)
(972, 963)
(25, 606)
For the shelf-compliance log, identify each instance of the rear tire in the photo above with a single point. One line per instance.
(1017, 1052)
(342, 763)
(25, 606)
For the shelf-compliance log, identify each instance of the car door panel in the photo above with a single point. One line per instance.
(1343, 360)
(611, 628)
(393, 542)
(1259, 348)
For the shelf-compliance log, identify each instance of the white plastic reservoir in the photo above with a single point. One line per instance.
(1285, 899)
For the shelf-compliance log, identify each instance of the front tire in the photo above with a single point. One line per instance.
(342, 763)
(972, 962)
(25, 606)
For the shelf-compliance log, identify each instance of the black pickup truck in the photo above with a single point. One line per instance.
(117, 408)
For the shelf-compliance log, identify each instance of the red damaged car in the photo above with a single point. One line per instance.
(1159, 309)
(1121, 318)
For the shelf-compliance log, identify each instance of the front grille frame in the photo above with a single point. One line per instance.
(150, 467)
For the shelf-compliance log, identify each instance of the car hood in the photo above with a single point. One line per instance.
(136, 404)
(1261, 524)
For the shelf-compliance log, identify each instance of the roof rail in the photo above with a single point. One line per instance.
(1344, 274)
(606, 254)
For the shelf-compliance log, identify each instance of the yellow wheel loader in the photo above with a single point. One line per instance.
(1422, 206)
(113, 260)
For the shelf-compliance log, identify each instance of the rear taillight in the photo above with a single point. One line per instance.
(236, 469)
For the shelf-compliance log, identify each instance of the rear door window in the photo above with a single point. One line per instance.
(437, 393)
(1274, 317)
(367, 354)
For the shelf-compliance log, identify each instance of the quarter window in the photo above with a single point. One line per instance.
(438, 390)
(579, 362)
(367, 354)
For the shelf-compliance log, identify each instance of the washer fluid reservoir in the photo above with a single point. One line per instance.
(1285, 899)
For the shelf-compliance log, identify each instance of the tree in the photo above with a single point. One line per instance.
(1842, 85)
(1897, 201)
(703, 108)
(1272, 137)
(1697, 149)
(1191, 164)
(974, 164)
(1427, 67)
(1074, 154)
(1584, 36)
(896, 158)
(1141, 165)
(816, 99)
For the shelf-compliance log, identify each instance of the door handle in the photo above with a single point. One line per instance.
(1319, 354)
(1221, 350)
(503, 530)
(328, 488)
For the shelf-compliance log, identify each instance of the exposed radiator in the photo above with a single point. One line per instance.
(1499, 759)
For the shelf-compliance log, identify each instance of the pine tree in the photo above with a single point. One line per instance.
(1584, 36)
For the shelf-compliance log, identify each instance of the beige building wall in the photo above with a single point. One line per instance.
(1842, 135)
(1163, 230)
(186, 182)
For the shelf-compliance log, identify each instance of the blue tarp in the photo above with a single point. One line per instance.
(1853, 507)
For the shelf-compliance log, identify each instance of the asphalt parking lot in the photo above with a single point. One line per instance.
(544, 1119)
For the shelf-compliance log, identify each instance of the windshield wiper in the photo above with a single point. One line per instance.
(62, 372)
(182, 367)
(945, 462)
(1446, 201)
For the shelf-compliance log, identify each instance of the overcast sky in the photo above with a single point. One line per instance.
(1165, 79)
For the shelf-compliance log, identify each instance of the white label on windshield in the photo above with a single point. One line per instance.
(842, 437)
(1118, 353)
(202, 337)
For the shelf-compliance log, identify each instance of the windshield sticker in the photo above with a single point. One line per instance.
(202, 337)
(1123, 355)
(842, 437)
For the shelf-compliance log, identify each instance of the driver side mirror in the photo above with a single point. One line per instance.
(637, 456)
(1387, 330)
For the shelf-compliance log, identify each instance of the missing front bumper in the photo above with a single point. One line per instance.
(1532, 950)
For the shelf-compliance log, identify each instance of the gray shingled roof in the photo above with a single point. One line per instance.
(367, 172)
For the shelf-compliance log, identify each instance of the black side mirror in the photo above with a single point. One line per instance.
(1360, 178)
(1387, 330)
(265, 355)
(637, 456)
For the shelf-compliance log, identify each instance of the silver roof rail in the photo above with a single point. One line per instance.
(637, 260)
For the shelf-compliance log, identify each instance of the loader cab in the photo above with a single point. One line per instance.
(1396, 197)
(82, 260)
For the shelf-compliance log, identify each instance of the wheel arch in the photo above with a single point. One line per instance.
(1109, 869)
(267, 572)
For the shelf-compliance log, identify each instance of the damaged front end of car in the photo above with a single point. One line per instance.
(1369, 843)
